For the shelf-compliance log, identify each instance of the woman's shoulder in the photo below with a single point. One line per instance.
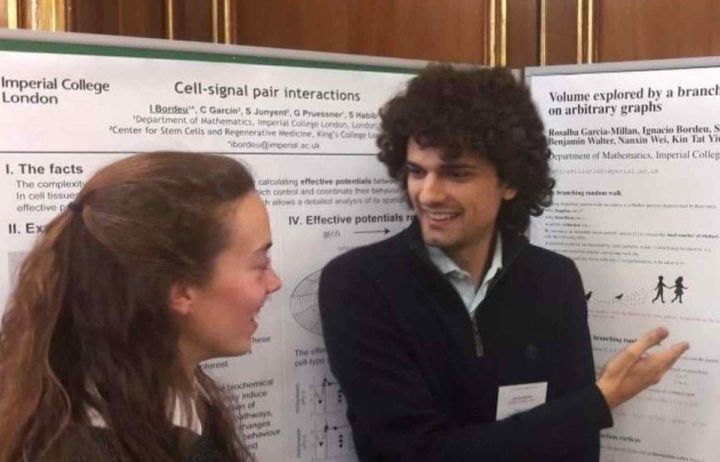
(81, 443)
(204, 448)
(96, 444)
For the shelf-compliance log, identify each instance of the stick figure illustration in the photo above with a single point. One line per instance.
(679, 287)
(659, 288)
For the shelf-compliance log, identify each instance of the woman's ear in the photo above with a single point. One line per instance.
(181, 298)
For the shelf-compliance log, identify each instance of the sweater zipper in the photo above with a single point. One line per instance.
(477, 339)
(479, 350)
(476, 336)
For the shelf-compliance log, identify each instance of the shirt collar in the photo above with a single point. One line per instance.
(179, 415)
(448, 267)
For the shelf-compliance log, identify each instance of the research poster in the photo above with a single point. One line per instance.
(306, 129)
(636, 156)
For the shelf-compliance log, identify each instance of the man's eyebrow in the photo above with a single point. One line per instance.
(457, 166)
(413, 165)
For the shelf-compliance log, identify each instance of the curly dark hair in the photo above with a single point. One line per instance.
(483, 111)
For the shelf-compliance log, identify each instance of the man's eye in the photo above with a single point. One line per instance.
(413, 171)
(458, 174)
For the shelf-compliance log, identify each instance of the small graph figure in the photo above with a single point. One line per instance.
(324, 430)
(679, 287)
(659, 290)
(332, 438)
(304, 304)
(328, 397)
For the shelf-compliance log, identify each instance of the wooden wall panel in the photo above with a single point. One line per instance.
(25, 15)
(137, 18)
(46, 15)
(95, 16)
(536, 31)
(307, 24)
(656, 29)
(560, 41)
(141, 18)
(3, 13)
(435, 30)
(452, 30)
(522, 33)
(193, 20)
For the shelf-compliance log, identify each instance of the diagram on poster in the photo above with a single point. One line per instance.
(304, 303)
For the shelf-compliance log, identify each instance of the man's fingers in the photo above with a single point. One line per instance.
(626, 359)
(647, 341)
(632, 370)
(658, 363)
(669, 356)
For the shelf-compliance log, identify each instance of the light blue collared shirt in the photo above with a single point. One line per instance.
(461, 280)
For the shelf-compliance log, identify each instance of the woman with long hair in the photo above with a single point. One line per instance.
(161, 262)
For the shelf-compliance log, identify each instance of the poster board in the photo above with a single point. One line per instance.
(636, 155)
(305, 124)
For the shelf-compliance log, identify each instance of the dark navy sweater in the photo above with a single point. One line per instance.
(401, 343)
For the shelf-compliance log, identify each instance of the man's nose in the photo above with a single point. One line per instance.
(432, 190)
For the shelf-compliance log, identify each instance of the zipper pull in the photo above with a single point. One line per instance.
(478, 341)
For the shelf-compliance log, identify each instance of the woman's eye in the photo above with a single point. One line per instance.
(264, 265)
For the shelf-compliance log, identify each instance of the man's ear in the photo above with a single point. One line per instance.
(508, 192)
(180, 298)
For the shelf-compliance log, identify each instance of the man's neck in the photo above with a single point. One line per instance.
(476, 258)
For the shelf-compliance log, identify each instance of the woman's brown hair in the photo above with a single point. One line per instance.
(88, 323)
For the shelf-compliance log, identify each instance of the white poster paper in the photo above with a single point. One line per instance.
(307, 132)
(636, 156)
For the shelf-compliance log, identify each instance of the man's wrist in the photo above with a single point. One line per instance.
(610, 399)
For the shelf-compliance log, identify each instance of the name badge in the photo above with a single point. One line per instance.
(513, 399)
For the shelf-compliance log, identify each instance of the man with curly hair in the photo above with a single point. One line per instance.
(424, 329)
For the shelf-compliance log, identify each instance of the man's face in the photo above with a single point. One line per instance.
(456, 200)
